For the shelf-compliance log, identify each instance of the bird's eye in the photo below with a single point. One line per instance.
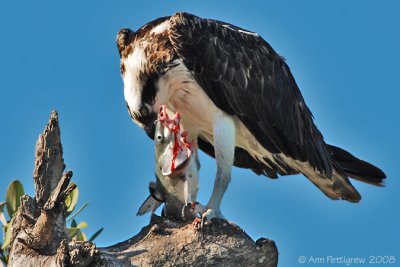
(144, 112)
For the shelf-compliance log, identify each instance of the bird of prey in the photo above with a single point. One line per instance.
(238, 100)
(177, 168)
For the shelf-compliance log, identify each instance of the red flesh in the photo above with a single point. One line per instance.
(180, 139)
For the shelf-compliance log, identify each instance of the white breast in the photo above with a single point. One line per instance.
(178, 90)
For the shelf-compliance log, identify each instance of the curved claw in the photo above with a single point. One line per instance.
(210, 214)
(196, 223)
(195, 208)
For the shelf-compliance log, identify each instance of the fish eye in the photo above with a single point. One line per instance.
(159, 137)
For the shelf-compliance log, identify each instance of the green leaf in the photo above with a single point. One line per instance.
(82, 225)
(82, 236)
(78, 235)
(71, 200)
(76, 213)
(7, 236)
(2, 217)
(95, 235)
(72, 232)
(14, 191)
(74, 224)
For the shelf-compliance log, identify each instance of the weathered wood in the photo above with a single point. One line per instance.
(39, 230)
(168, 243)
(39, 235)
(49, 162)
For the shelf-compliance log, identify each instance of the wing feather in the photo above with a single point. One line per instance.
(244, 76)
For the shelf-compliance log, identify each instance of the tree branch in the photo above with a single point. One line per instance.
(39, 235)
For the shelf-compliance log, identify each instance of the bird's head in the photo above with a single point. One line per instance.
(145, 118)
(139, 88)
(124, 38)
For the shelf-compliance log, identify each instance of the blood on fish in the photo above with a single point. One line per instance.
(180, 139)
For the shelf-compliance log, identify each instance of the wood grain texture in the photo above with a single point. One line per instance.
(40, 237)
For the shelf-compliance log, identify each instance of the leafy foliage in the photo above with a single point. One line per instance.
(14, 191)
(13, 194)
(71, 200)
(75, 230)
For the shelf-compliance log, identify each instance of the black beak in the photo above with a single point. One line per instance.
(150, 125)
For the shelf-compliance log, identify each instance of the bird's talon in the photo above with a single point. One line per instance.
(210, 214)
(196, 223)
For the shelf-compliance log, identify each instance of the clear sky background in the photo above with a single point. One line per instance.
(345, 58)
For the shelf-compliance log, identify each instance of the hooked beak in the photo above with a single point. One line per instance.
(150, 129)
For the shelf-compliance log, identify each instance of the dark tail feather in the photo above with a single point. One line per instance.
(356, 168)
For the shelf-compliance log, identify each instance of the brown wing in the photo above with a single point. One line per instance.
(244, 76)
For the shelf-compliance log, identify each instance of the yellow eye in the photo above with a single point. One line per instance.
(144, 112)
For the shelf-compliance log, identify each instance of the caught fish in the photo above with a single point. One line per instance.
(177, 171)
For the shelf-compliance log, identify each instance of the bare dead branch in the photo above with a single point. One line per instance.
(39, 236)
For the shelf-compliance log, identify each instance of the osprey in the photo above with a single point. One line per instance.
(237, 99)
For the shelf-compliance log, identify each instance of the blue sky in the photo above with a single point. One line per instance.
(343, 54)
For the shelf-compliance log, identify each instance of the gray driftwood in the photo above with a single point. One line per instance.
(40, 238)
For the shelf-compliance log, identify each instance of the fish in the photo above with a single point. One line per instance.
(177, 168)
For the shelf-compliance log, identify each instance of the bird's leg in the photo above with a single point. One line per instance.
(196, 223)
(224, 146)
(195, 208)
